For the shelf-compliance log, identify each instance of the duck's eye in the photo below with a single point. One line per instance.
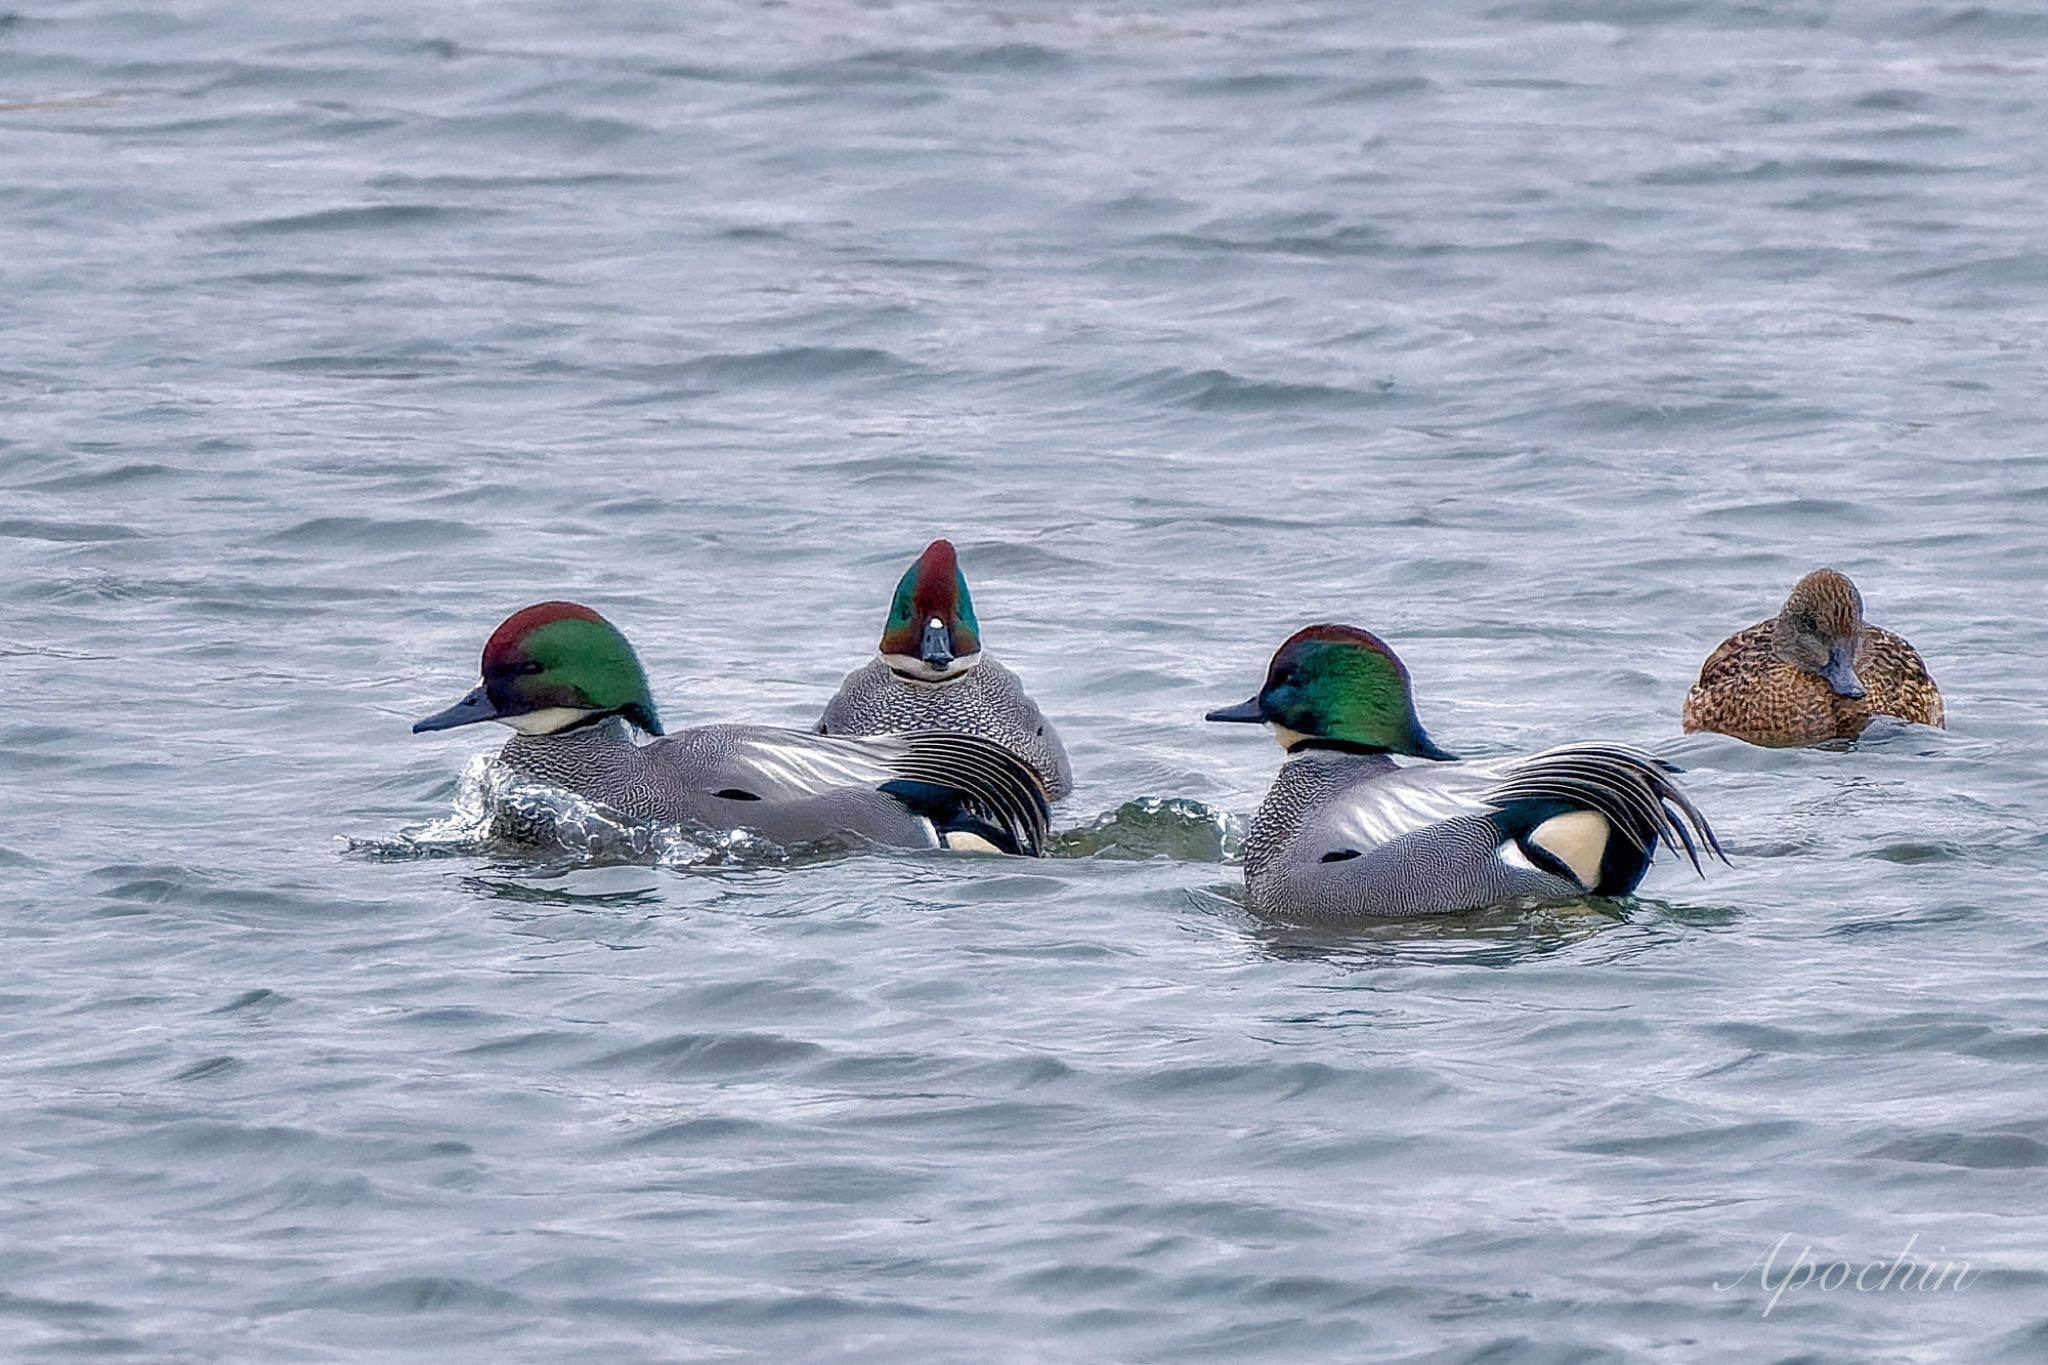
(530, 666)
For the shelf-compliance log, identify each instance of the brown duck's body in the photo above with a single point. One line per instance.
(1748, 690)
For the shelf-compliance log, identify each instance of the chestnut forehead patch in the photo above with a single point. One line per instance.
(504, 641)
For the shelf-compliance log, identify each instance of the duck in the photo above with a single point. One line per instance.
(930, 673)
(570, 687)
(1814, 672)
(1347, 834)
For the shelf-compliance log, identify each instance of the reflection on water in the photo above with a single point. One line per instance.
(1500, 937)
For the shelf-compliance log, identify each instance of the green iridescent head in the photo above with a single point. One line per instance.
(1338, 687)
(932, 633)
(552, 666)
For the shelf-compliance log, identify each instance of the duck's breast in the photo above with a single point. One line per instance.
(988, 700)
(1747, 691)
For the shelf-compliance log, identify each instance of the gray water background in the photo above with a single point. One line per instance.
(1552, 340)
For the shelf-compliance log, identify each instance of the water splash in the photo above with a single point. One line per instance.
(500, 812)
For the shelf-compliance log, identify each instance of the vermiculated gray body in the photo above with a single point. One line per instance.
(987, 700)
(785, 784)
(1345, 836)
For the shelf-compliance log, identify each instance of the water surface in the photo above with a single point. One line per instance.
(1553, 341)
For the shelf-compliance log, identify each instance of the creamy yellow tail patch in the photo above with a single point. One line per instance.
(961, 841)
(1577, 839)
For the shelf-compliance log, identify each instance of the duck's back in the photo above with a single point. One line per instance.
(1345, 836)
(1746, 690)
(988, 700)
(784, 784)
(1897, 679)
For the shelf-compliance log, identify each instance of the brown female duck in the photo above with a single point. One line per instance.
(1814, 672)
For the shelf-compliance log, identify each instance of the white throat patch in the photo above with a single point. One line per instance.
(546, 721)
(1288, 738)
(917, 670)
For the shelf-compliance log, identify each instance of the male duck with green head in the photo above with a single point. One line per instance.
(569, 684)
(1347, 833)
(931, 674)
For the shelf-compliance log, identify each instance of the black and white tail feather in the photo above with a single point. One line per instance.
(965, 784)
(1631, 789)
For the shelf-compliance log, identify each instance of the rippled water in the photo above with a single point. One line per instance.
(1552, 340)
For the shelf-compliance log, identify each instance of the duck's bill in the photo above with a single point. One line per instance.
(471, 709)
(1840, 674)
(1249, 712)
(936, 647)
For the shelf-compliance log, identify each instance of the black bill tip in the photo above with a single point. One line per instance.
(1249, 712)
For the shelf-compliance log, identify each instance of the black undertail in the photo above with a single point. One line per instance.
(964, 784)
(1632, 790)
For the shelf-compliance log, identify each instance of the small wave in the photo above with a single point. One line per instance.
(1619, 13)
(1345, 241)
(358, 218)
(1792, 511)
(1794, 170)
(1992, 1151)
(208, 1068)
(1985, 22)
(413, 1294)
(795, 363)
(382, 533)
(1379, 88)
(115, 477)
(968, 58)
(1249, 83)
(1152, 827)
(295, 276)
(67, 532)
(366, 366)
(456, 183)
(1223, 391)
(257, 999)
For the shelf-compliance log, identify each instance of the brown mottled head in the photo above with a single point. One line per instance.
(1819, 629)
(931, 633)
